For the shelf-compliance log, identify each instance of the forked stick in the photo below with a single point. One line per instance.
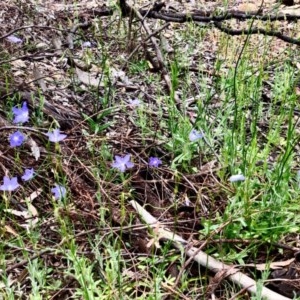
(205, 260)
(158, 52)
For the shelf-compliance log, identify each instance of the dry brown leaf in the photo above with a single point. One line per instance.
(273, 266)
(96, 81)
(18, 213)
(33, 195)
(119, 74)
(30, 224)
(166, 45)
(57, 43)
(10, 230)
(248, 7)
(155, 240)
(293, 11)
(35, 150)
(32, 210)
(208, 166)
(29, 216)
(89, 79)
(38, 76)
(18, 63)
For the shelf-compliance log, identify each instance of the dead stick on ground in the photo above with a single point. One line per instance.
(205, 260)
(159, 55)
(140, 44)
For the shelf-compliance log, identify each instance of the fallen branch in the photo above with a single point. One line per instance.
(143, 41)
(257, 31)
(211, 17)
(201, 16)
(205, 260)
(207, 17)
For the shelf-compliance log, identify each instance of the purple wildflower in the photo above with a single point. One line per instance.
(59, 191)
(9, 184)
(16, 139)
(14, 39)
(28, 174)
(154, 162)
(55, 136)
(133, 103)
(238, 177)
(87, 44)
(122, 163)
(195, 135)
(21, 114)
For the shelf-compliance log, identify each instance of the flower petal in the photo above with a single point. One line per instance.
(59, 191)
(121, 163)
(14, 39)
(16, 139)
(55, 136)
(238, 177)
(154, 162)
(126, 158)
(9, 184)
(21, 114)
(129, 165)
(28, 174)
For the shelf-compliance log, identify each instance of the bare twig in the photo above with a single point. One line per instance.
(159, 55)
(143, 41)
